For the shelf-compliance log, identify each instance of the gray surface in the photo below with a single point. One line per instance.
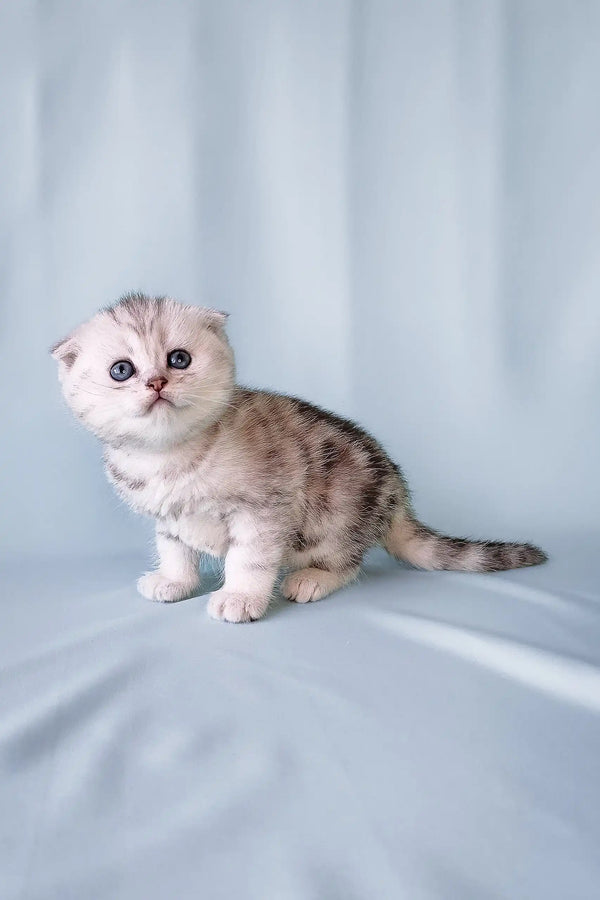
(417, 735)
(399, 204)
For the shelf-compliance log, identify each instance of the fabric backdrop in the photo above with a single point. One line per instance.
(399, 204)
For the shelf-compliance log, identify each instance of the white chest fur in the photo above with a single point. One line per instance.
(179, 492)
(151, 484)
(202, 530)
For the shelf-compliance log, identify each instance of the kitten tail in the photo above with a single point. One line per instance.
(410, 540)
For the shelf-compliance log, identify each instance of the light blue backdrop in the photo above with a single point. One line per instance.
(398, 202)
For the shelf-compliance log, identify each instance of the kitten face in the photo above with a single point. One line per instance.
(122, 377)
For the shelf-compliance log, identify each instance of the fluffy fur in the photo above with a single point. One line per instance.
(265, 480)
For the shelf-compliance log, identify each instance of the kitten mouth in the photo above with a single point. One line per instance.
(159, 402)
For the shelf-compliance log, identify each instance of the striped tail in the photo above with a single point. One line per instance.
(421, 546)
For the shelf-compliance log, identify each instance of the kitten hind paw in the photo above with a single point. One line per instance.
(305, 585)
(155, 586)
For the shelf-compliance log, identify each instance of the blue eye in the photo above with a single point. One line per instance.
(179, 359)
(121, 370)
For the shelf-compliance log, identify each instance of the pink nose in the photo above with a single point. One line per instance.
(157, 383)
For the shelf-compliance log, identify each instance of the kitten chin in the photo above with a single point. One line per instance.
(264, 480)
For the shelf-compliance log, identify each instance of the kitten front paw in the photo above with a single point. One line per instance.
(232, 607)
(155, 586)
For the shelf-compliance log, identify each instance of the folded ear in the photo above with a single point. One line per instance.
(213, 318)
(65, 351)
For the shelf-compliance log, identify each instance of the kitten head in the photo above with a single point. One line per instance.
(145, 371)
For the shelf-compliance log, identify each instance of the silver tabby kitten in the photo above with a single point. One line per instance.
(264, 480)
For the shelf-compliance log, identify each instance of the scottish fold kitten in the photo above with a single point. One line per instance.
(264, 480)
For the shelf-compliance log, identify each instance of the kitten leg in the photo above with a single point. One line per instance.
(313, 584)
(177, 575)
(251, 567)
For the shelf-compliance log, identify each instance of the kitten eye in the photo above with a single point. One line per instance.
(121, 370)
(179, 359)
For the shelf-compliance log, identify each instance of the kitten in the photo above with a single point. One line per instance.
(264, 480)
